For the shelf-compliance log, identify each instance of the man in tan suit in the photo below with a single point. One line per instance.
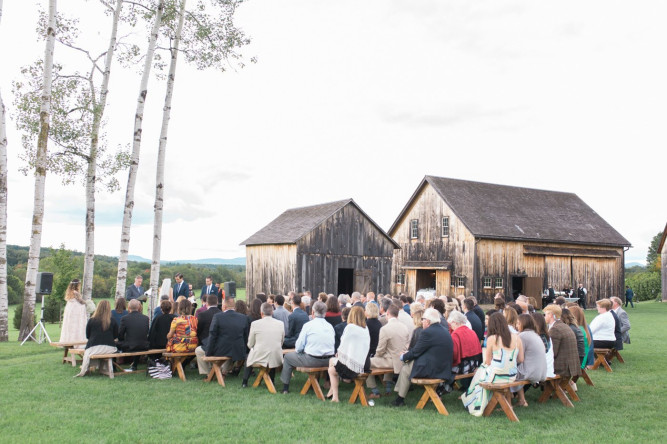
(393, 342)
(265, 342)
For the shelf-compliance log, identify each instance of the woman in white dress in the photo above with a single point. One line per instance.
(75, 317)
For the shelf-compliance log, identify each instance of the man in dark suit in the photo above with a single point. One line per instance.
(430, 358)
(133, 332)
(204, 320)
(135, 290)
(566, 356)
(181, 288)
(209, 288)
(228, 336)
(295, 323)
(471, 316)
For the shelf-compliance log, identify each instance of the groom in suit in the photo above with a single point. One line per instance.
(181, 287)
(209, 288)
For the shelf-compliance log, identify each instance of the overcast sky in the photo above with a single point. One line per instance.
(361, 99)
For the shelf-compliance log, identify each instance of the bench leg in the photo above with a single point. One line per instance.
(600, 359)
(215, 370)
(264, 376)
(312, 382)
(548, 391)
(109, 370)
(618, 356)
(178, 365)
(567, 387)
(435, 399)
(500, 397)
(584, 374)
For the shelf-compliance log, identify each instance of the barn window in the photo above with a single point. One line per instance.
(499, 282)
(487, 281)
(460, 281)
(414, 229)
(400, 278)
(445, 226)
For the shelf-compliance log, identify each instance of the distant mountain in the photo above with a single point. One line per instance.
(634, 264)
(209, 261)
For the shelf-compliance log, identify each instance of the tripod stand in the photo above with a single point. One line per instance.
(42, 329)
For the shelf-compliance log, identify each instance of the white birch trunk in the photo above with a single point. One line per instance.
(134, 159)
(27, 320)
(161, 155)
(89, 255)
(4, 303)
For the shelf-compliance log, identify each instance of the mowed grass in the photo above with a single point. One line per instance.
(41, 402)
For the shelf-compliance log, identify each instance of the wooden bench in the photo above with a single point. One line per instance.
(584, 374)
(557, 386)
(359, 391)
(216, 369)
(430, 393)
(502, 396)
(601, 358)
(67, 346)
(264, 376)
(176, 360)
(111, 364)
(314, 373)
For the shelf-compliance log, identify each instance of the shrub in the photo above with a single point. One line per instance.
(53, 307)
(18, 314)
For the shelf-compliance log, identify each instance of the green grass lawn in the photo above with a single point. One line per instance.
(41, 402)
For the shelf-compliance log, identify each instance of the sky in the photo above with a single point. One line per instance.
(362, 99)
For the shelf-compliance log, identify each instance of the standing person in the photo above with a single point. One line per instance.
(101, 331)
(135, 291)
(208, 288)
(133, 332)
(352, 356)
(581, 294)
(181, 288)
(75, 317)
(629, 294)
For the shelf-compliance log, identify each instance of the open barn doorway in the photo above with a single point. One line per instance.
(425, 280)
(517, 286)
(345, 280)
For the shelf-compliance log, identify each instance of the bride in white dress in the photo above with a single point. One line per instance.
(75, 317)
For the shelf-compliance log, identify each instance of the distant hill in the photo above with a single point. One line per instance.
(209, 261)
(634, 264)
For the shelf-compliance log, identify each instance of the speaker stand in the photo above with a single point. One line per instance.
(41, 334)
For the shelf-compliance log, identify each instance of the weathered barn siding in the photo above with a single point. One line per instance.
(429, 209)
(347, 239)
(270, 269)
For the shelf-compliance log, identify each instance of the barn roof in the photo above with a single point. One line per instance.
(295, 223)
(507, 212)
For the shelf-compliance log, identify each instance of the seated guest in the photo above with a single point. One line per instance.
(306, 300)
(182, 336)
(416, 311)
(204, 321)
(255, 309)
(499, 301)
(239, 307)
(511, 316)
(204, 305)
(355, 299)
(280, 313)
(373, 324)
(120, 310)
(603, 326)
(560, 300)
(295, 322)
(384, 306)
(471, 316)
(339, 328)
(542, 331)
(322, 296)
(333, 316)
(228, 336)
(568, 319)
(157, 336)
(503, 353)
(566, 357)
(158, 310)
(101, 331)
(622, 327)
(262, 297)
(439, 305)
(288, 307)
(314, 346)
(467, 351)
(534, 365)
(265, 342)
(352, 356)
(405, 318)
(133, 332)
(589, 349)
(404, 302)
(393, 340)
(431, 357)
(478, 310)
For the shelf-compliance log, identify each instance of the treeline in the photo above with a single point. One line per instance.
(67, 265)
(646, 282)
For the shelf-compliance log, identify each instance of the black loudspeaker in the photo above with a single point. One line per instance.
(230, 289)
(44, 283)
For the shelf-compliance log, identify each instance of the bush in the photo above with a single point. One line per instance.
(18, 314)
(646, 285)
(53, 307)
(14, 289)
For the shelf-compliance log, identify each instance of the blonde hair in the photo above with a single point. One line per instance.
(554, 309)
(604, 303)
(357, 317)
(72, 291)
(372, 310)
(511, 316)
(416, 311)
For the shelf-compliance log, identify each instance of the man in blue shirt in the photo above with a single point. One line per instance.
(314, 347)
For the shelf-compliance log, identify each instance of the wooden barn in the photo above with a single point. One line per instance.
(463, 237)
(333, 247)
(662, 251)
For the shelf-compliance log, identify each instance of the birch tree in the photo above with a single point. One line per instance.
(4, 302)
(27, 319)
(210, 40)
(121, 277)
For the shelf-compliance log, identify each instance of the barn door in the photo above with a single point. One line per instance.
(533, 287)
(362, 281)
